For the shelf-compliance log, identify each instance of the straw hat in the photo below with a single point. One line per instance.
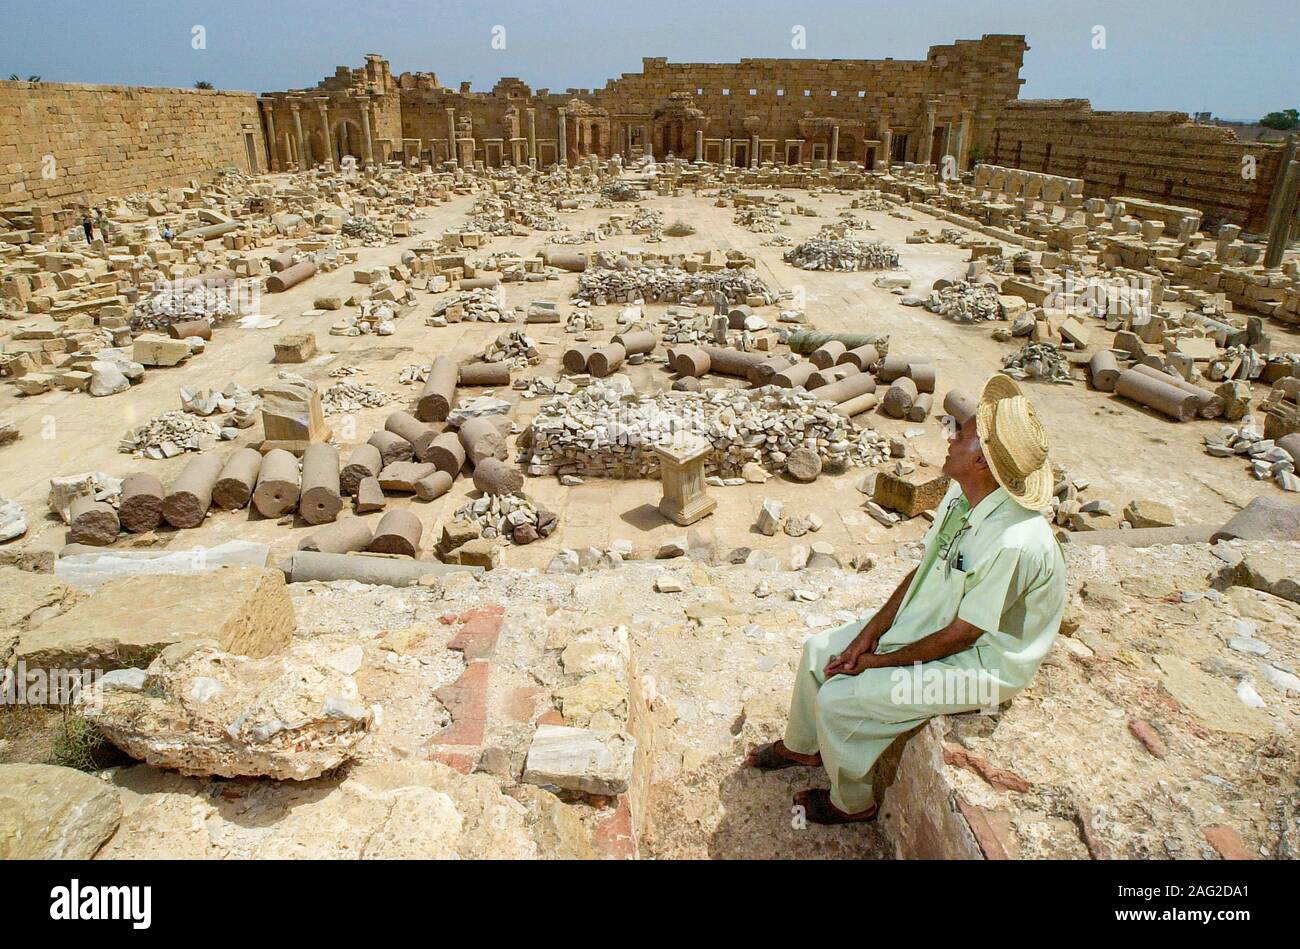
(1014, 442)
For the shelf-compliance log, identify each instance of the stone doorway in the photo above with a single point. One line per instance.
(346, 141)
(899, 152)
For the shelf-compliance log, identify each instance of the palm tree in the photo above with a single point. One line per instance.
(203, 84)
(14, 77)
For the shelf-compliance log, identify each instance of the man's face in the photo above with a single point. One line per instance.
(965, 456)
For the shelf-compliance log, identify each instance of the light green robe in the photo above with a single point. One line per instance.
(999, 568)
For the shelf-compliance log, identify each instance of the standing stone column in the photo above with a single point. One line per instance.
(835, 146)
(268, 113)
(699, 145)
(886, 147)
(726, 151)
(1276, 199)
(681, 465)
(302, 145)
(563, 136)
(323, 104)
(1280, 223)
(532, 137)
(451, 137)
(963, 140)
(369, 143)
(927, 137)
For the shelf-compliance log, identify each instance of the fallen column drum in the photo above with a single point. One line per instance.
(277, 489)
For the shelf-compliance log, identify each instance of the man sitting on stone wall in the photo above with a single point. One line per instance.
(965, 630)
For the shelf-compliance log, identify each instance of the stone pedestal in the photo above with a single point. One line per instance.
(682, 465)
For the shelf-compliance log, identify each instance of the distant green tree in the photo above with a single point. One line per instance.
(14, 77)
(203, 84)
(1286, 119)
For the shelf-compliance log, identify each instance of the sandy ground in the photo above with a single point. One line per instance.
(1124, 451)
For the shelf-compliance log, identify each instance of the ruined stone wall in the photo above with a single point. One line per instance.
(113, 140)
(974, 75)
(776, 99)
(1160, 156)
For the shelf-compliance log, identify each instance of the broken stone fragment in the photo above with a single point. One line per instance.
(53, 813)
(13, 522)
(1146, 513)
(106, 378)
(769, 517)
(803, 464)
(797, 526)
(207, 712)
(128, 621)
(580, 759)
(674, 547)
(153, 350)
(564, 561)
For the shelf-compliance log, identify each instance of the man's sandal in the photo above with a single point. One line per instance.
(767, 758)
(819, 810)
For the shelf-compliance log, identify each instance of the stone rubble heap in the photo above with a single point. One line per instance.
(515, 347)
(607, 430)
(1267, 459)
(413, 374)
(368, 231)
(182, 305)
(171, 434)
(665, 285)
(966, 302)
(647, 221)
(760, 218)
(842, 255)
(621, 191)
(539, 387)
(582, 320)
(374, 318)
(871, 201)
(592, 235)
(1236, 362)
(489, 217)
(343, 397)
(508, 515)
(239, 405)
(685, 327)
(483, 305)
(1039, 361)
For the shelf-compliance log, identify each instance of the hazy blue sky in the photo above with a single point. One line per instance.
(1238, 59)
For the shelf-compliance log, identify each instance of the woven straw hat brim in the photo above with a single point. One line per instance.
(1035, 492)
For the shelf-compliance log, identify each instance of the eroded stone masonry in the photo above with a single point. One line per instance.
(961, 100)
(396, 470)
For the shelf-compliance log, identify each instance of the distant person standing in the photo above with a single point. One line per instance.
(88, 226)
(168, 234)
(103, 225)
